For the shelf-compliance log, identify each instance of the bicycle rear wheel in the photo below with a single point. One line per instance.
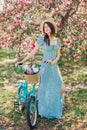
(32, 112)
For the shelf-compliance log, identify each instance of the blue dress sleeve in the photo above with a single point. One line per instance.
(40, 41)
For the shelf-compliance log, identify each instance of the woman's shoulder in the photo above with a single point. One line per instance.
(41, 37)
(40, 40)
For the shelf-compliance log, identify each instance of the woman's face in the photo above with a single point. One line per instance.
(47, 29)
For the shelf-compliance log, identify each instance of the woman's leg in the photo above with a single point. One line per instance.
(63, 89)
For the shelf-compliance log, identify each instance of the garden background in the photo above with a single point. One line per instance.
(19, 27)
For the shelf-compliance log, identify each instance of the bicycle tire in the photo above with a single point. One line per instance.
(32, 110)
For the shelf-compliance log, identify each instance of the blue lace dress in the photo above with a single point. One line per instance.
(50, 82)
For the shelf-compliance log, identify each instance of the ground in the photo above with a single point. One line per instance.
(75, 106)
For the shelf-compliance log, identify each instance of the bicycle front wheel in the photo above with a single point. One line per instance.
(32, 112)
(21, 105)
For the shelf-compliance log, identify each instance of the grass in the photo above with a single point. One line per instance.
(7, 53)
(75, 107)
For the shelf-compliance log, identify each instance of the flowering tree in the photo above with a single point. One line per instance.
(20, 21)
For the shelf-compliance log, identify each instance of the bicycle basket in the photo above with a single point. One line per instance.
(31, 78)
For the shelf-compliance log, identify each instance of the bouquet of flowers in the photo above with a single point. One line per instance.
(28, 69)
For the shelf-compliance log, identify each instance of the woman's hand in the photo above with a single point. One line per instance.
(19, 63)
(49, 62)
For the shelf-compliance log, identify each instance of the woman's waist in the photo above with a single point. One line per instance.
(45, 64)
(48, 58)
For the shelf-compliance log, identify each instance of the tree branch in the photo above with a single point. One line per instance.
(67, 15)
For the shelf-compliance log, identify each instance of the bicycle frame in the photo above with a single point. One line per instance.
(23, 86)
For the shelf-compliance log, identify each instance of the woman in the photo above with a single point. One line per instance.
(51, 86)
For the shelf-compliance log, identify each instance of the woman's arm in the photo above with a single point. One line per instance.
(30, 55)
(57, 57)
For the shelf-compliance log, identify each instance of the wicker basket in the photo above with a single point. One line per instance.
(31, 78)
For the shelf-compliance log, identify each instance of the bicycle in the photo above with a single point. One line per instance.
(28, 98)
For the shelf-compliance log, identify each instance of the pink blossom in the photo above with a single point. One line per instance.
(78, 24)
(16, 24)
(64, 22)
(23, 2)
(78, 57)
(25, 8)
(50, 1)
(58, 22)
(64, 2)
(83, 30)
(0, 19)
(47, 2)
(86, 36)
(30, 1)
(18, 15)
(26, 14)
(37, 6)
(37, 22)
(67, 42)
(67, 50)
(53, 9)
(0, 27)
(82, 2)
(49, 15)
(56, 9)
(10, 8)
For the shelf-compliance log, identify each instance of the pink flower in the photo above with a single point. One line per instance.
(78, 57)
(82, 2)
(23, 2)
(67, 42)
(50, 1)
(78, 24)
(49, 15)
(53, 9)
(67, 50)
(0, 27)
(30, 1)
(56, 9)
(10, 8)
(16, 24)
(23, 27)
(0, 19)
(47, 2)
(37, 22)
(58, 22)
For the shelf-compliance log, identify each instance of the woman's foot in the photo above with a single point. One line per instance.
(60, 121)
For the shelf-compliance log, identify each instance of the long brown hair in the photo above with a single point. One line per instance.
(46, 37)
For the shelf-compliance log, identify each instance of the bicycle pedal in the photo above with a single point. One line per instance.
(16, 103)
